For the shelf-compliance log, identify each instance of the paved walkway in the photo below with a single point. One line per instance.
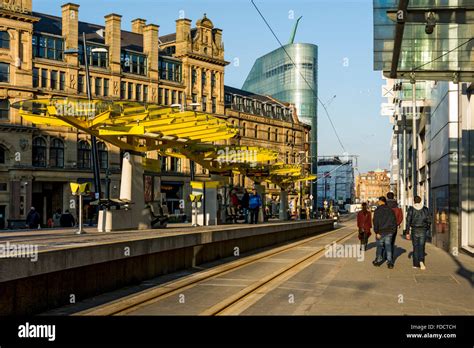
(346, 286)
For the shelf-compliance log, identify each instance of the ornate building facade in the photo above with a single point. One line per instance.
(372, 185)
(42, 56)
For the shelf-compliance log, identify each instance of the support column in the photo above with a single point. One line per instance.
(261, 191)
(282, 213)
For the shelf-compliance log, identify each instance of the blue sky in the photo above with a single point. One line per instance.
(341, 28)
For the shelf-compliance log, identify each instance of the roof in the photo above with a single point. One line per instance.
(262, 98)
(53, 25)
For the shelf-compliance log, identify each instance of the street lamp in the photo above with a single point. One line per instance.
(94, 150)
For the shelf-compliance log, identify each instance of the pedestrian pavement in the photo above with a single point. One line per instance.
(347, 286)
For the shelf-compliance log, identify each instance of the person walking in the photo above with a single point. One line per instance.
(57, 218)
(33, 218)
(67, 220)
(392, 203)
(255, 202)
(364, 223)
(385, 225)
(419, 224)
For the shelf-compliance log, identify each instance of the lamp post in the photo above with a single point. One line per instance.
(94, 150)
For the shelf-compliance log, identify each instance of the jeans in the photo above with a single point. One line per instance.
(384, 244)
(246, 214)
(394, 237)
(254, 215)
(418, 240)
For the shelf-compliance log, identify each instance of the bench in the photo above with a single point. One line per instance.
(159, 215)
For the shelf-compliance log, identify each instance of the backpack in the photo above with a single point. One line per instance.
(398, 215)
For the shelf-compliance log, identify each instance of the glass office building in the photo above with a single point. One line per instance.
(290, 74)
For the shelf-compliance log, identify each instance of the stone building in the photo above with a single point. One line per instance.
(372, 185)
(42, 56)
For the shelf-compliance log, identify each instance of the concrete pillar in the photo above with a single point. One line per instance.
(261, 191)
(283, 205)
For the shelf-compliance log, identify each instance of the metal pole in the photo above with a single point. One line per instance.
(80, 231)
(95, 154)
(414, 136)
(404, 169)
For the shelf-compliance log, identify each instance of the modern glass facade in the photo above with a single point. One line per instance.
(290, 80)
(290, 74)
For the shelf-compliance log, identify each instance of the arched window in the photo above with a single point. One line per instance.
(83, 155)
(103, 155)
(39, 152)
(4, 109)
(3, 155)
(4, 39)
(56, 153)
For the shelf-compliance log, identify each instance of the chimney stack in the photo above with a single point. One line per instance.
(138, 24)
(150, 48)
(113, 40)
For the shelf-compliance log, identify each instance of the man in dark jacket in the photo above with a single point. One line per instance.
(418, 223)
(385, 225)
(33, 218)
(67, 220)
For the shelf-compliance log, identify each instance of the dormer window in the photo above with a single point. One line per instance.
(133, 63)
(48, 47)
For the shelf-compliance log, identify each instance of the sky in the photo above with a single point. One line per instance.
(343, 30)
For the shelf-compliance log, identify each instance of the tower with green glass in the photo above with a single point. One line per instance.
(290, 74)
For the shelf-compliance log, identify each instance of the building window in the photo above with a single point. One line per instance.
(193, 77)
(44, 78)
(213, 105)
(204, 103)
(56, 153)
(195, 98)
(54, 79)
(213, 80)
(123, 89)
(276, 134)
(173, 97)
(4, 109)
(4, 72)
(244, 129)
(103, 155)
(145, 94)
(83, 155)
(4, 40)
(99, 59)
(48, 47)
(98, 85)
(180, 96)
(35, 77)
(80, 83)
(160, 96)
(39, 152)
(130, 90)
(62, 80)
(133, 63)
(256, 132)
(138, 92)
(169, 70)
(203, 79)
(175, 164)
(3, 156)
(269, 134)
(167, 100)
(106, 87)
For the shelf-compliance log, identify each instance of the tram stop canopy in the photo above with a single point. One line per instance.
(424, 39)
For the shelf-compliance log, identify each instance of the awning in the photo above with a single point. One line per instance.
(432, 40)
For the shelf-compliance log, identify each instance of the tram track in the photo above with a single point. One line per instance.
(131, 303)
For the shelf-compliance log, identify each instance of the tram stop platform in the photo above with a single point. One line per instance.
(51, 265)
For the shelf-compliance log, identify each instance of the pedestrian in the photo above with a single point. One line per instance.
(33, 218)
(57, 218)
(67, 220)
(385, 225)
(392, 203)
(255, 202)
(364, 223)
(418, 224)
(245, 205)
